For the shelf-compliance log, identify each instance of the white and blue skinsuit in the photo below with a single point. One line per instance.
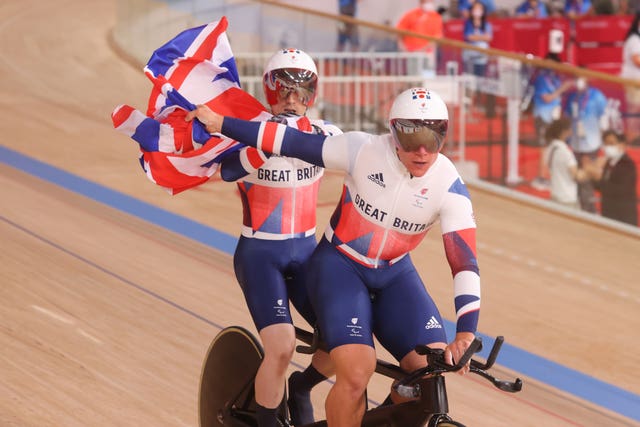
(361, 278)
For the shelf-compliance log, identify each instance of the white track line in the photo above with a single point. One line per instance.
(561, 271)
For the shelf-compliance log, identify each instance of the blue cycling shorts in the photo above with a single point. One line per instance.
(271, 273)
(353, 302)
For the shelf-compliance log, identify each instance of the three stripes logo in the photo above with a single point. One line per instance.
(433, 323)
(378, 179)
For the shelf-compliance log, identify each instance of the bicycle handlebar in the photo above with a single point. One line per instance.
(435, 361)
(435, 357)
(436, 365)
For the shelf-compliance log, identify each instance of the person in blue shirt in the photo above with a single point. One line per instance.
(576, 8)
(464, 7)
(548, 88)
(586, 107)
(477, 32)
(347, 32)
(533, 9)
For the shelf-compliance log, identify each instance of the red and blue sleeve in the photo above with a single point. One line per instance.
(241, 163)
(460, 248)
(276, 138)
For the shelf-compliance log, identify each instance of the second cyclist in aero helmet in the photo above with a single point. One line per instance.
(419, 117)
(290, 72)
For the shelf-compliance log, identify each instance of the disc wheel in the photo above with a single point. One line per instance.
(226, 382)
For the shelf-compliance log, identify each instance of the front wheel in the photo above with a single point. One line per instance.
(226, 383)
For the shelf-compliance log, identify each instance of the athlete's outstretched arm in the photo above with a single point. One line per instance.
(269, 137)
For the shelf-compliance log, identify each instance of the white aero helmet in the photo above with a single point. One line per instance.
(419, 117)
(290, 70)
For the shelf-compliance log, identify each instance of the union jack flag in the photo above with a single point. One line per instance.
(195, 67)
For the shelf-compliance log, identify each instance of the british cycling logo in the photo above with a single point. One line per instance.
(378, 179)
(281, 311)
(354, 328)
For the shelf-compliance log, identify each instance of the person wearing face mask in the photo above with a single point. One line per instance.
(424, 20)
(615, 176)
(397, 186)
(586, 106)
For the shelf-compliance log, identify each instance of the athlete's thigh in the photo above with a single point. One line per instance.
(405, 315)
(340, 298)
(257, 267)
(296, 277)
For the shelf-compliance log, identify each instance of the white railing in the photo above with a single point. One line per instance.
(354, 89)
(355, 92)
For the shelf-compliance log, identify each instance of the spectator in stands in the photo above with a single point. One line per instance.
(603, 7)
(555, 8)
(628, 7)
(548, 88)
(563, 166)
(576, 8)
(464, 7)
(347, 32)
(477, 32)
(382, 41)
(586, 106)
(423, 20)
(532, 9)
(615, 175)
(631, 70)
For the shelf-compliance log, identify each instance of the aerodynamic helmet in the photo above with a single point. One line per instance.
(290, 70)
(419, 117)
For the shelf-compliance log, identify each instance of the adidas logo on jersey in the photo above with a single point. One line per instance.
(377, 178)
(433, 323)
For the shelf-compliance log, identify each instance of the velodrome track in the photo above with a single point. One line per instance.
(112, 289)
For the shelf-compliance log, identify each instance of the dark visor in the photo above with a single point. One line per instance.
(411, 134)
(288, 80)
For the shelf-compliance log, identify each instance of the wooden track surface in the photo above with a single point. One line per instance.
(105, 318)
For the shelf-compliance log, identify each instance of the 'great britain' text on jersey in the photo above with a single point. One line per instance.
(309, 172)
(368, 209)
(408, 226)
(283, 175)
(380, 215)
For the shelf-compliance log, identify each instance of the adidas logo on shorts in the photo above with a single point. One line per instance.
(433, 323)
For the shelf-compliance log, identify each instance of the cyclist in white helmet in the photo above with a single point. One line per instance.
(279, 197)
(363, 282)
